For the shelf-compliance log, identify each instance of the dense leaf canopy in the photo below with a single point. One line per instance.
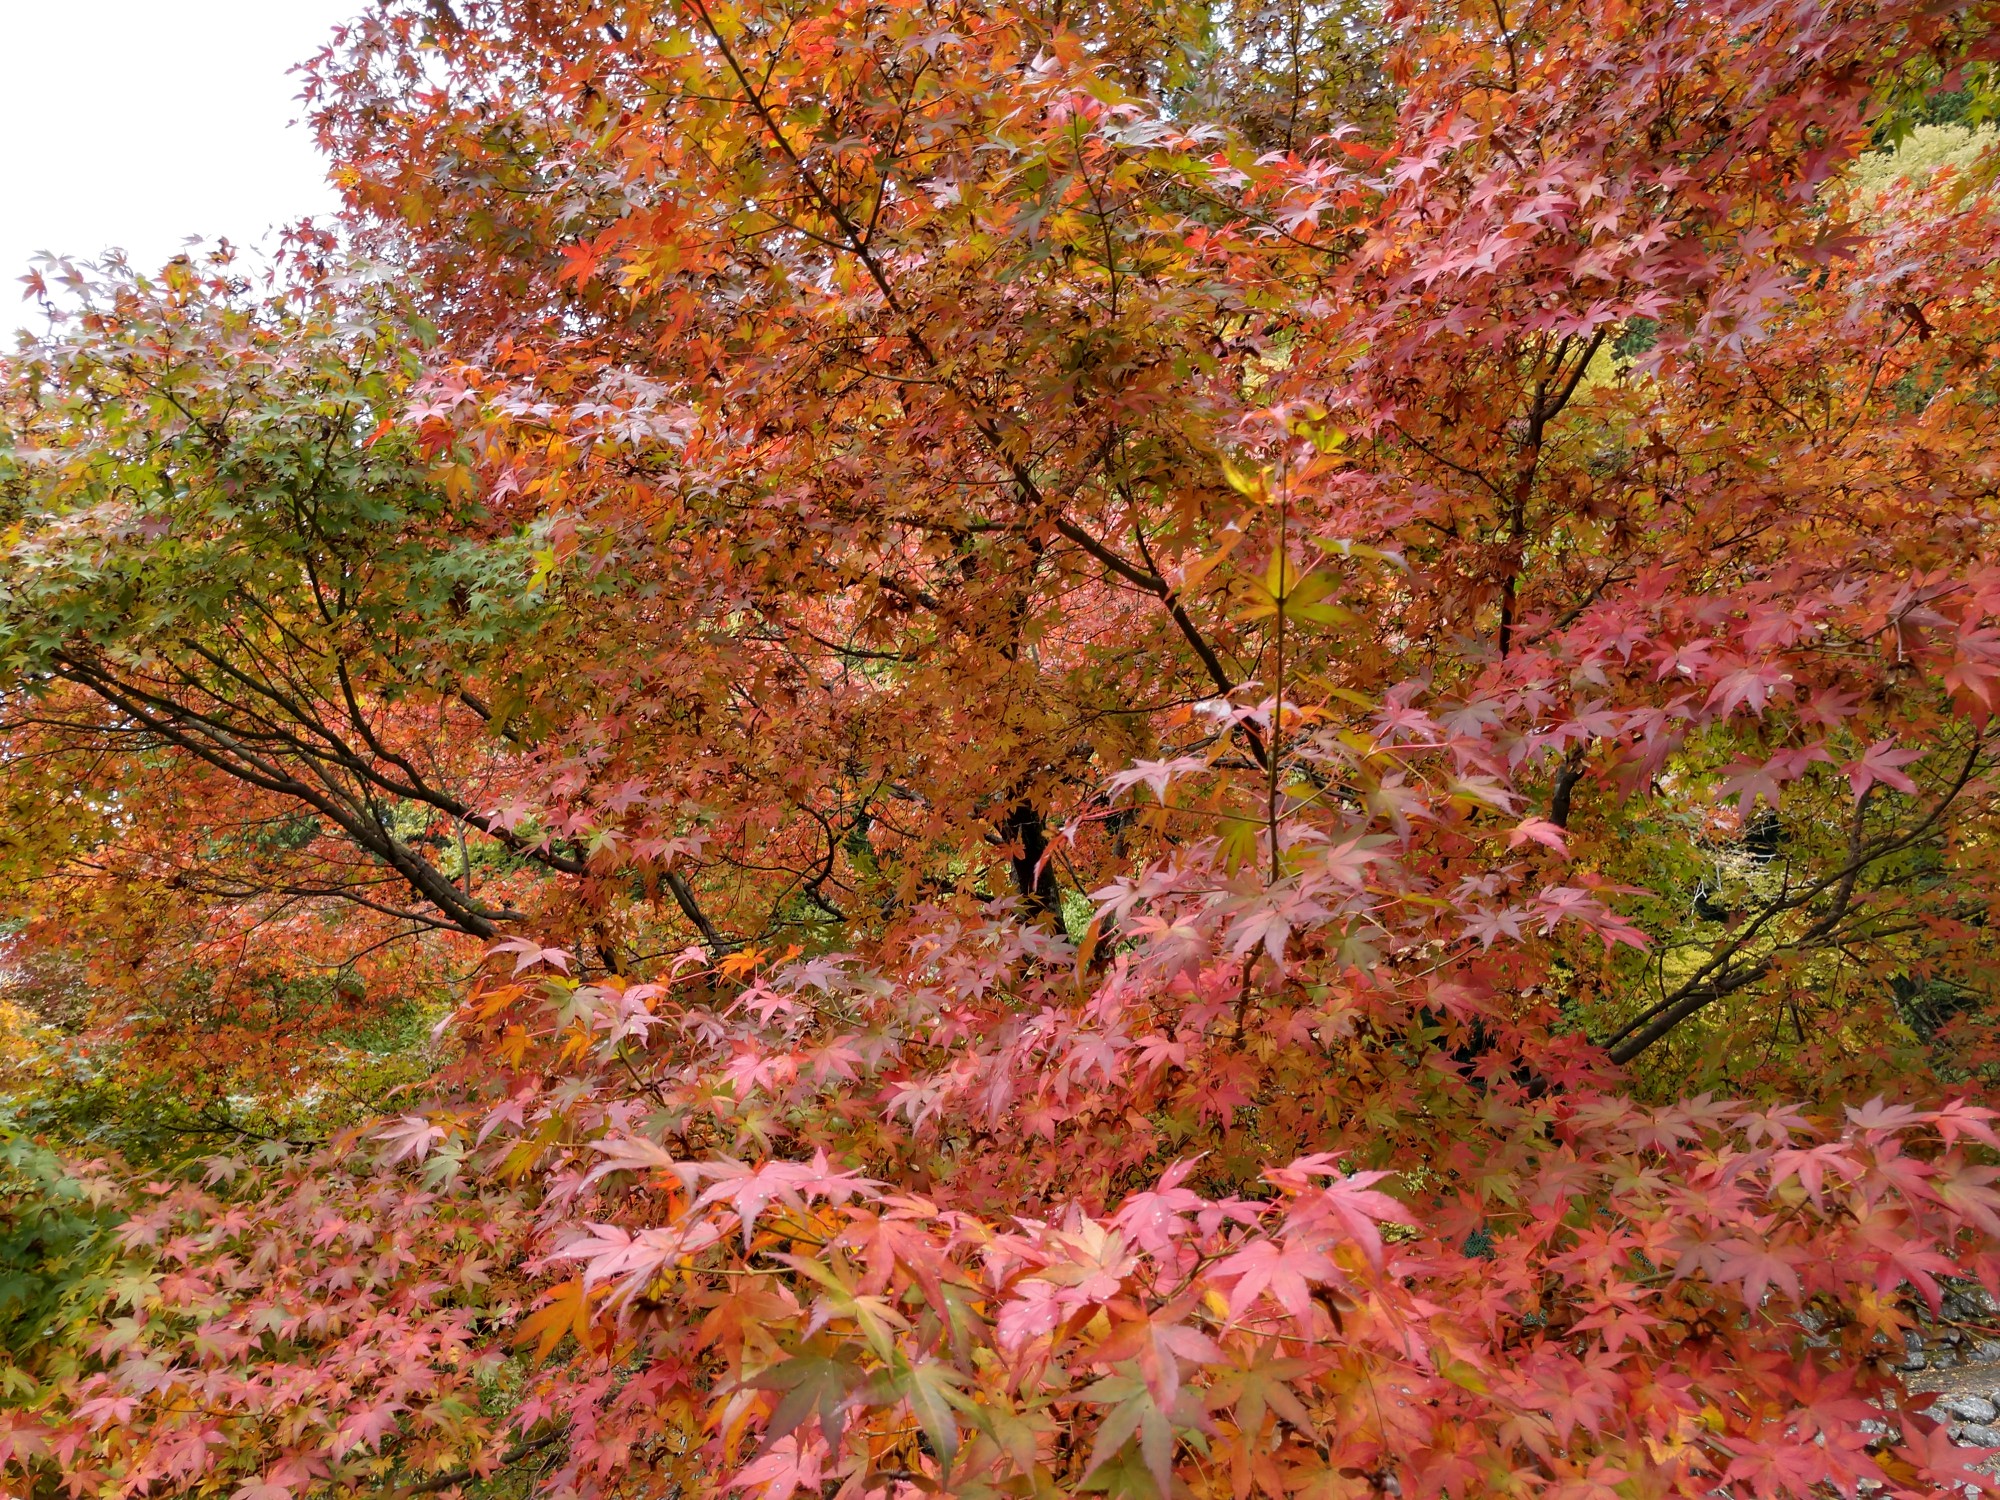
(1009, 749)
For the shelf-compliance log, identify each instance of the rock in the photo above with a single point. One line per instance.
(1913, 1351)
(1967, 1407)
(1966, 1301)
(1984, 1352)
(1974, 1435)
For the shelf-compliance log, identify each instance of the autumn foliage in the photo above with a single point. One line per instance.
(1183, 750)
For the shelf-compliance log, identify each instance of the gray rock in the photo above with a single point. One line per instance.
(1967, 1301)
(1913, 1351)
(1969, 1408)
(1984, 1352)
(1973, 1435)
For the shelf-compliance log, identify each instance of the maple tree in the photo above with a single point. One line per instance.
(1152, 749)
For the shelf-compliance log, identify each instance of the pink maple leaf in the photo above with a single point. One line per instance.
(1540, 831)
(1287, 1272)
(1879, 764)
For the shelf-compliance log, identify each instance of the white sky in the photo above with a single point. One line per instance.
(137, 123)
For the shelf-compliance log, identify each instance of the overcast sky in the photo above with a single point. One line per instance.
(139, 122)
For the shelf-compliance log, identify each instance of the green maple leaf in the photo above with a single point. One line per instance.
(811, 1382)
(932, 1391)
